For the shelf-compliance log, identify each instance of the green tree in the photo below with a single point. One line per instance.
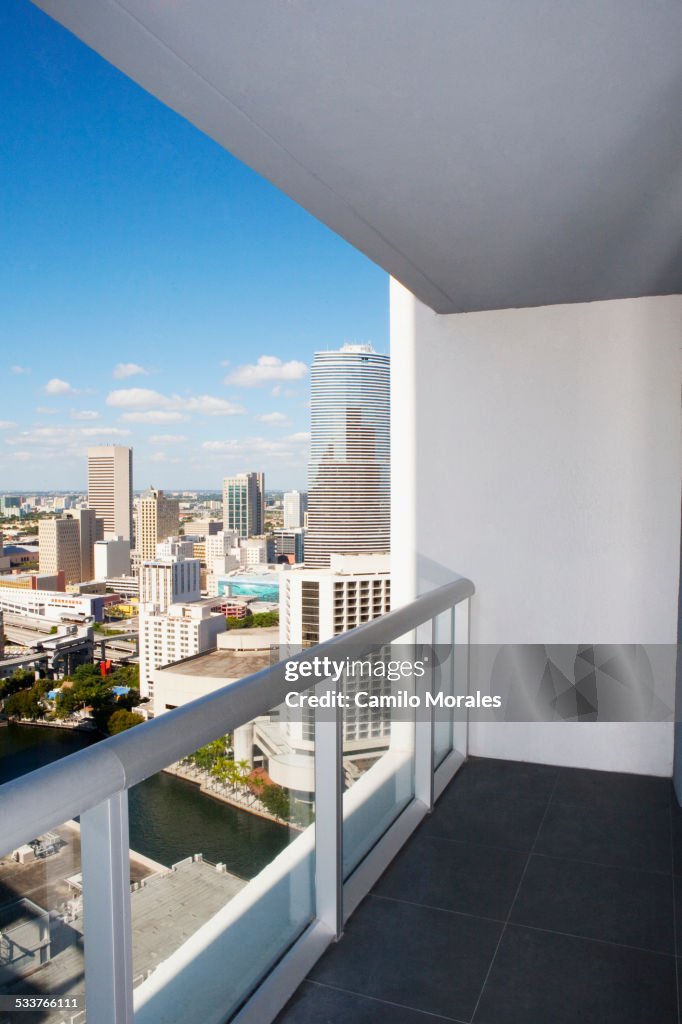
(24, 704)
(276, 801)
(121, 720)
(64, 703)
(205, 757)
(22, 679)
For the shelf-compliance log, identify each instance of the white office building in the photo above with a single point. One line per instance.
(317, 604)
(180, 631)
(349, 469)
(169, 580)
(111, 558)
(110, 488)
(220, 546)
(253, 551)
(293, 505)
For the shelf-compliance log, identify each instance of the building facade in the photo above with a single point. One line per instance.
(111, 558)
(167, 581)
(87, 528)
(60, 548)
(244, 504)
(158, 518)
(110, 488)
(180, 631)
(349, 469)
(289, 545)
(293, 505)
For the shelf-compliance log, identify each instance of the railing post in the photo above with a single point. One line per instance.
(461, 670)
(329, 815)
(105, 859)
(423, 726)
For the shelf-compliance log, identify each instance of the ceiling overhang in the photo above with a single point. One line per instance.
(486, 153)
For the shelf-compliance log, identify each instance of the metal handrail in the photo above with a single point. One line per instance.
(57, 792)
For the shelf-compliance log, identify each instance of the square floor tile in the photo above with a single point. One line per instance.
(633, 837)
(433, 872)
(543, 978)
(498, 819)
(597, 791)
(484, 777)
(317, 1004)
(418, 957)
(620, 905)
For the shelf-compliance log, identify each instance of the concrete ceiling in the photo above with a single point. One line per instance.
(487, 153)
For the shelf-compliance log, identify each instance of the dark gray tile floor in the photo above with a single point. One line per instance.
(532, 895)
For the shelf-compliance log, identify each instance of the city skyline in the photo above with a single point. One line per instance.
(156, 292)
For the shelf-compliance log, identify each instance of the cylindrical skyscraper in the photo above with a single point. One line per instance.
(349, 473)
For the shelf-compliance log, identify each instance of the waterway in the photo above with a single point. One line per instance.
(169, 817)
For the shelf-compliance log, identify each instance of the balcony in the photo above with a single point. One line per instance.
(530, 894)
(517, 173)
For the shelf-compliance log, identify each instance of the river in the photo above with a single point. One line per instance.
(169, 817)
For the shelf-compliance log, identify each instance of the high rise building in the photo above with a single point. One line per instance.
(349, 471)
(60, 548)
(87, 528)
(169, 580)
(110, 488)
(174, 622)
(318, 604)
(244, 504)
(294, 506)
(158, 518)
(179, 632)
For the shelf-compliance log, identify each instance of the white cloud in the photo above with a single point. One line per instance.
(57, 386)
(162, 457)
(136, 398)
(7, 424)
(20, 369)
(47, 410)
(225, 362)
(167, 438)
(268, 368)
(84, 414)
(292, 446)
(122, 370)
(146, 399)
(152, 416)
(67, 439)
(277, 391)
(104, 432)
(210, 406)
(276, 418)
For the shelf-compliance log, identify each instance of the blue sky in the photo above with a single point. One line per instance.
(154, 291)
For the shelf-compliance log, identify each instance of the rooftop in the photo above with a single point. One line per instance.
(220, 664)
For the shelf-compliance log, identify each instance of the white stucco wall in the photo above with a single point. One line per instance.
(537, 451)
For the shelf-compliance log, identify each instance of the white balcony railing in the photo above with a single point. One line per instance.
(246, 961)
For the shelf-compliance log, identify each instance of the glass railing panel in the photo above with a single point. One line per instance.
(42, 970)
(378, 746)
(225, 848)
